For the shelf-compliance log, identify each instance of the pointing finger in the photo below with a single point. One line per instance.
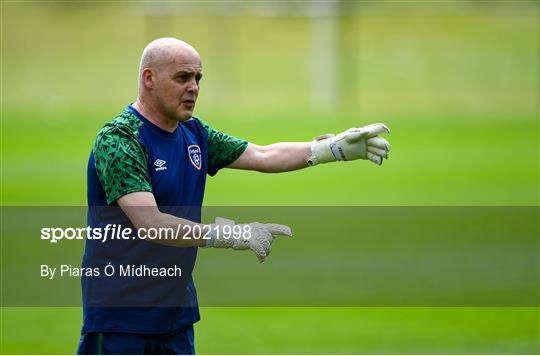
(277, 229)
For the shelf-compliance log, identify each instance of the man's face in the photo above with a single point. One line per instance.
(176, 86)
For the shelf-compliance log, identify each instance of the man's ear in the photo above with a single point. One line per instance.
(148, 78)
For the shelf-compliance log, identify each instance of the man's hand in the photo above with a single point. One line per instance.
(355, 143)
(255, 236)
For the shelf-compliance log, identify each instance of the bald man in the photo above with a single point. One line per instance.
(147, 170)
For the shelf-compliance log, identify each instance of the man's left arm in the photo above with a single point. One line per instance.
(355, 143)
(275, 158)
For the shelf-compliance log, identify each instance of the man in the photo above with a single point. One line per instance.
(151, 162)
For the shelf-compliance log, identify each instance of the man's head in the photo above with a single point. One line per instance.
(169, 76)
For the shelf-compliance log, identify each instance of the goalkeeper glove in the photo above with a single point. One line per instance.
(355, 143)
(255, 236)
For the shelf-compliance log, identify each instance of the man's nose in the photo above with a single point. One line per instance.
(193, 86)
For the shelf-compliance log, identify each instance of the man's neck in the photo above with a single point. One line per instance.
(155, 116)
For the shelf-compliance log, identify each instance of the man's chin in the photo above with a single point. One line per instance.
(185, 115)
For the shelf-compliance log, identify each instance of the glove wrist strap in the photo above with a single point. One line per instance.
(322, 150)
(215, 233)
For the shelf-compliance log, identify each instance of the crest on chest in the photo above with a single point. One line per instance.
(195, 156)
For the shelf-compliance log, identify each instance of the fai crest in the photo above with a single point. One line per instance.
(194, 153)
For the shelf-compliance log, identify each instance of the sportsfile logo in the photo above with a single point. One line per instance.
(160, 165)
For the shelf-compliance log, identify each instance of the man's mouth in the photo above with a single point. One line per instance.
(188, 102)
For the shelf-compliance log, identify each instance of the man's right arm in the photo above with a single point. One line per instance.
(142, 210)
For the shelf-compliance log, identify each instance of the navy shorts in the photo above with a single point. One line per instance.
(179, 343)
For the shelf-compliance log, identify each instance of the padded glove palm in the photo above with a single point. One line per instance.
(255, 236)
(355, 143)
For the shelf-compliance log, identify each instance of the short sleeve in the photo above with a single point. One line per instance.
(120, 163)
(223, 149)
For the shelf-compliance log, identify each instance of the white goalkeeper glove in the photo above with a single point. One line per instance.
(355, 143)
(256, 237)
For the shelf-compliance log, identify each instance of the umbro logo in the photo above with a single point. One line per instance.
(160, 164)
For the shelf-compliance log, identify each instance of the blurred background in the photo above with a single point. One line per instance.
(456, 81)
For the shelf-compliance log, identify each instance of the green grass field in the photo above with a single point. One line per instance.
(310, 330)
(456, 83)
